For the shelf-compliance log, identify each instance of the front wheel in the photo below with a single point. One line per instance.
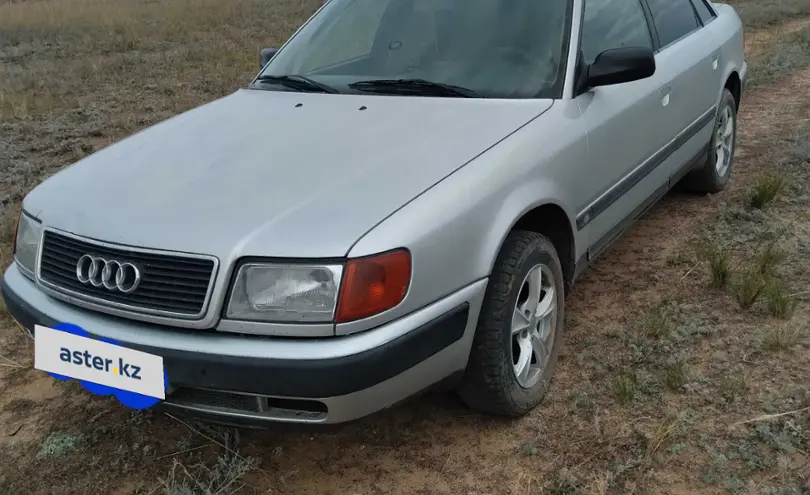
(519, 330)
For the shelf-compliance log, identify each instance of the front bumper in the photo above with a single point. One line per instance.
(247, 380)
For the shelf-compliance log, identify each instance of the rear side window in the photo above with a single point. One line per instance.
(673, 19)
(611, 24)
(704, 11)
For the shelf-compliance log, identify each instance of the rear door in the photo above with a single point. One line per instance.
(687, 59)
(707, 16)
(620, 121)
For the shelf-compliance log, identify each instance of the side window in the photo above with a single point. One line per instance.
(704, 11)
(613, 24)
(673, 19)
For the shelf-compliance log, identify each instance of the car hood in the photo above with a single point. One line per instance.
(279, 174)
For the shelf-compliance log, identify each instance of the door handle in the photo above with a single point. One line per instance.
(665, 94)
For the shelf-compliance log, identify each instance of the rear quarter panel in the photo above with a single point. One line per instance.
(455, 229)
(728, 31)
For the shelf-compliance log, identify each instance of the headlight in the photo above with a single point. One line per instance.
(26, 243)
(312, 293)
(285, 293)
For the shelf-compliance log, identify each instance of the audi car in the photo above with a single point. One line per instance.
(398, 202)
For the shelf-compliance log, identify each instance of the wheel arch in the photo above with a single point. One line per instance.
(734, 85)
(551, 220)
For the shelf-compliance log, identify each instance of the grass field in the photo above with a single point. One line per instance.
(686, 362)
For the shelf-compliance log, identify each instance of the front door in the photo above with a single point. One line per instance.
(621, 124)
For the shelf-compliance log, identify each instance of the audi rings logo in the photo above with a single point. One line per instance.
(111, 274)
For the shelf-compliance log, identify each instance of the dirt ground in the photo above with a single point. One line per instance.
(686, 359)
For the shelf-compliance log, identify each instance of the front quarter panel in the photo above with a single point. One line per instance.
(455, 230)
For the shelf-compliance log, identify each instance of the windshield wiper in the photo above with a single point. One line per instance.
(413, 86)
(302, 83)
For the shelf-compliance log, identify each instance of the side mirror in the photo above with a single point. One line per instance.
(266, 55)
(621, 65)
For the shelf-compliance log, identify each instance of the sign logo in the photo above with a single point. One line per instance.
(111, 274)
(99, 363)
(103, 367)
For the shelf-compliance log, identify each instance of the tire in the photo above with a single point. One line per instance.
(711, 178)
(490, 383)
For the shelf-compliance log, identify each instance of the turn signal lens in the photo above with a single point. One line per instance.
(373, 284)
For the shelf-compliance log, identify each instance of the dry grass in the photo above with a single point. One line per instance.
(787, 52)
(783, 337)
(643, 401)
(676, 376)
(625, 387)
(223, 477)
(758, 14)
(718, 261)
(767, 189)
(749, 287)
(770, 258)
(780, 302)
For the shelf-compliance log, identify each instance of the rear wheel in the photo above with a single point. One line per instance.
(713, 176)
(519, 330)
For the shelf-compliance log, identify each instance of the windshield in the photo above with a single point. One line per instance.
(495, 48)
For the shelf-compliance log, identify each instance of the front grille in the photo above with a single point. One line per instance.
(171, 284)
